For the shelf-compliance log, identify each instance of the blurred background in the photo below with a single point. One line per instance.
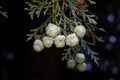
(18, 61)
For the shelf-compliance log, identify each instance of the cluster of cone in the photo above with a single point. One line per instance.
(77, 63)
(54, 36)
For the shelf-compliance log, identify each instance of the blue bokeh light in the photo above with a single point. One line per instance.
(108, 46)
(104, 65)
(110, 18)
(118, 27)
(115, 70)
(111, 79)
(112, 39)
(89, 66)
(10, 56)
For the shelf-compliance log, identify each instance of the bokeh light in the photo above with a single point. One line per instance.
(89, 66)
(10, 56)
(110, 18)
(111, 79)
(104, 65)
(112, 39)
(115, 70)
(118, 27)
(108, 46)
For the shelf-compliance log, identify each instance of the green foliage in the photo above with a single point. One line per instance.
(36, 7)
(66, 14)
(91, 2)
(3, 13)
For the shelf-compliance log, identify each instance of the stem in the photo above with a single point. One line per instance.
(56, 9)
(71, 21)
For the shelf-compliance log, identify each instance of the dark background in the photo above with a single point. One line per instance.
(18, 61)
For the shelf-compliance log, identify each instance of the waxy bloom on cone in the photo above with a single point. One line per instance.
(80, 58)
(81, 67)
(72, 40)
(71, 64)
(80, 31)
(38, 45)
(52, 30)
(59, 41)
(48, 41)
